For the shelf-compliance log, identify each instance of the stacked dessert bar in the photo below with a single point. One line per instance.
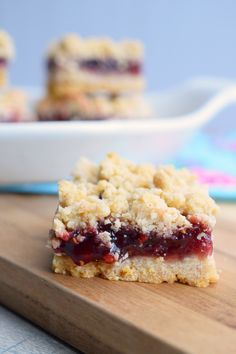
(131, 222)
(12, 101)
(93, 79)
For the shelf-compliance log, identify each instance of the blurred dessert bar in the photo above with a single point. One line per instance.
(6, 54)
(93, 79)
(78, 65)
(13, 102)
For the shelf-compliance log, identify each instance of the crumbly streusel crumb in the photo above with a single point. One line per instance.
(6, 46)
(150, 198)
(73, 45)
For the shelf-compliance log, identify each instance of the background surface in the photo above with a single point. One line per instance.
(183, 38)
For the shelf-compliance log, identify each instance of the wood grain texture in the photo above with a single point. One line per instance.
(100, 316)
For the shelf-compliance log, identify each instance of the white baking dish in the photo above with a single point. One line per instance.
(47, 151)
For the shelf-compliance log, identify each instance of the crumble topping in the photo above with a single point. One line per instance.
(105, 237)
(6, 46)
(122, 193)
(73, 45)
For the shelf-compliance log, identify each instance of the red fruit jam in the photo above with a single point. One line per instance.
(102, 66)
(85, 246)
(3, 62)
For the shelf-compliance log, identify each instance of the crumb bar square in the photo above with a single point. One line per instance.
(124, 221)
(78, 65)
(94, 79)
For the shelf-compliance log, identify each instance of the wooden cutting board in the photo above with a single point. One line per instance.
(100, 316)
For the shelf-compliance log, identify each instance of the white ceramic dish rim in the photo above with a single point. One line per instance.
(223, 93)
(47, 151)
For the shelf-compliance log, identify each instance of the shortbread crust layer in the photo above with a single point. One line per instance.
(191, 270)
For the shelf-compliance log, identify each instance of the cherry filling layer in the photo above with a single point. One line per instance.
(3, 63)
(105, 244)
(107, 66)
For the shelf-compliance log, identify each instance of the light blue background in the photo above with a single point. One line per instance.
(183, 38)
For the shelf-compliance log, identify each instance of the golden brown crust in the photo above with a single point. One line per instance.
(85, 83)
(190, 270)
